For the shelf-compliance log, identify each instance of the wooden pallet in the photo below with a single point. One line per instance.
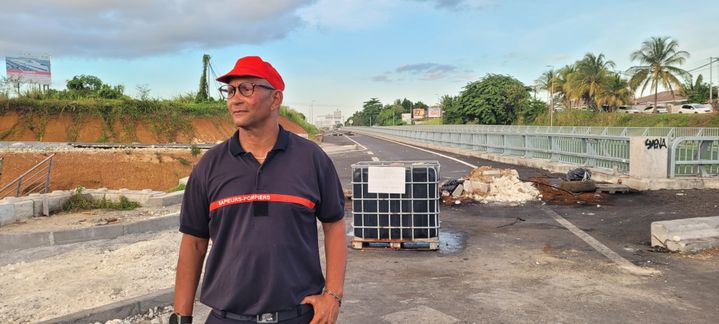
(612, 188)
(417, 245)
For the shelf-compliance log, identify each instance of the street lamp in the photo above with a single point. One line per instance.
(551, 96)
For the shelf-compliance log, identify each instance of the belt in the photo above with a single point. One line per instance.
(271, 317)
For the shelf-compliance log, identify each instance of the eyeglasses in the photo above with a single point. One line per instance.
(228, 91)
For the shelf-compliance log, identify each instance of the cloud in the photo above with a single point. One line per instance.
(349, 14)
(423, 71)
(458, 5)
(381, 78)
(136, 28)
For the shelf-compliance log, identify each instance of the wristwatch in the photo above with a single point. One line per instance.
(180, 319)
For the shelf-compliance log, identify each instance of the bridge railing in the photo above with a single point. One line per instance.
(694, 152)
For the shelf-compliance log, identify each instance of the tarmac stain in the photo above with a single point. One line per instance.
(450, 241)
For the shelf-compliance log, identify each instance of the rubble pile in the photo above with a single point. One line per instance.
(486, 184)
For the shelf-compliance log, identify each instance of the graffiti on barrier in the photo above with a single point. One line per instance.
(656, 144)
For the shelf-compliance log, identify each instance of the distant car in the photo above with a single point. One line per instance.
(627, 110)
(694, 108)
(661, 109)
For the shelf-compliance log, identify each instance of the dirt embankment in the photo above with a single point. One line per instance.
(114, 169)
(66, 128)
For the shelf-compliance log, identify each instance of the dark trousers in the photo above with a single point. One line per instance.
(216, 319)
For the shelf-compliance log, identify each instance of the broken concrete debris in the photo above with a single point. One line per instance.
(486, 184)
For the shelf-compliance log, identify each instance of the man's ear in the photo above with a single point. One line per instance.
(277, 98)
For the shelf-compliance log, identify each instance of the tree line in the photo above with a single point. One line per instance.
(590, 82)
(374, 113)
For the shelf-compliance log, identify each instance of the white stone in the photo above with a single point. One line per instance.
(686, 235)
(24, 209)
(7, 214)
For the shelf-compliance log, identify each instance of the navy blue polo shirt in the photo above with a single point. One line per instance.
(261, 220)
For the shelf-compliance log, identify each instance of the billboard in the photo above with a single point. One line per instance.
(434, 112)
(407, 118)
(418, 113)
(28, 69)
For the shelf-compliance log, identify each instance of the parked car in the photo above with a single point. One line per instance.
(661, 109)
(627, 110)
(694, 108)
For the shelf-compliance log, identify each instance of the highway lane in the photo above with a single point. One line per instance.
(536, 265)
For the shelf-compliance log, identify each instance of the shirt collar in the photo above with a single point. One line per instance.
(281, 143)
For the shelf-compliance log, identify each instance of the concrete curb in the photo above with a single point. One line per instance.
(120, 309)
(686, 235)
(32, 240)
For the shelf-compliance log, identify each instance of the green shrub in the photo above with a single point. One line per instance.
(80, 201)
(178, 187)
(194, 150)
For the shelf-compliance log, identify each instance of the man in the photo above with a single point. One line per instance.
(257, 197)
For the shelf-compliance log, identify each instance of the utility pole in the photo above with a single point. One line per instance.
(551, 97)
(312, 112)
(711, 62)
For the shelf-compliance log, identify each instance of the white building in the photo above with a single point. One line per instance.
(329, 120)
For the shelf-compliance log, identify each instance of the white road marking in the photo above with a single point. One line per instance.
(435, 153)
(594, 243)
(374, 158)
(370, 152)
(363, 147)
(601, 248)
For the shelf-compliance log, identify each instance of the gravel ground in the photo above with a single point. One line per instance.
(91, 274)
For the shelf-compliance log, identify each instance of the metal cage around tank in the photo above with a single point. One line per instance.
(397, 219)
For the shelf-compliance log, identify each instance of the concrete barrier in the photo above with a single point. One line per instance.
(686, 235)
(118, 310)
(21, 241)
(13, 209)
(167, 199)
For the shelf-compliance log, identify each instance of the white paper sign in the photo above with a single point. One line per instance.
(385, 180)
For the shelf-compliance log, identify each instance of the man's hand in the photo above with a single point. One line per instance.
(326, 308)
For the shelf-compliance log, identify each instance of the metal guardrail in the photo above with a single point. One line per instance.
(36, 179)
(574, 130)
(568, 145)
(694, 151)
(694, 156)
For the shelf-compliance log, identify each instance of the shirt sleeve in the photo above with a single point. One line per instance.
(331, 207)
(195, 210)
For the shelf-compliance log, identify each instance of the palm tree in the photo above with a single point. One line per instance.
(562, 85)
(586, 82)
(548, 82)
(615, 91)
(658, 57)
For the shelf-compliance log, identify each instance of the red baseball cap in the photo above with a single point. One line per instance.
(254, 66)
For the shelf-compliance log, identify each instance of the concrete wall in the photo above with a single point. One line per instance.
(649, 157)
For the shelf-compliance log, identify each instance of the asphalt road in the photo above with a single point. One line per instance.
(536, 270)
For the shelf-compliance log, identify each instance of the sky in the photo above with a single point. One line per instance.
(337, 54)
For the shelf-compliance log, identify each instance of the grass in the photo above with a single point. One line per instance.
(299, 119)
(80, 201)
(183, 161)
(430, 121)
(178, 187)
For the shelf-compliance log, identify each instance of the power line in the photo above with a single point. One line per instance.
(703, 65)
